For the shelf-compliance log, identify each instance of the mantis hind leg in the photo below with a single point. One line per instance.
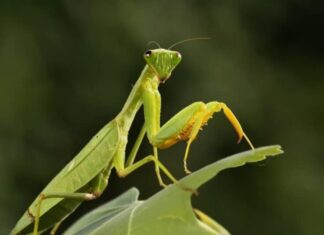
(96, 187)
(42, 197)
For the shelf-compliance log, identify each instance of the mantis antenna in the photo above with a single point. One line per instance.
(188, 40)
(155, 43)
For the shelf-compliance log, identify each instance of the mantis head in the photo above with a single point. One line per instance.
(162, 62)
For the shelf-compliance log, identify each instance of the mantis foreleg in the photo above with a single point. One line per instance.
(186, 124)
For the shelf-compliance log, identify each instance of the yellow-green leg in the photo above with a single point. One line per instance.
(98, 184)
(81, 196)
(185, 125)
(130, 166)
(55, 228)
(123, 172)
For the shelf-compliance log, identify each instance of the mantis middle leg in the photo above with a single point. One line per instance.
(130, 166)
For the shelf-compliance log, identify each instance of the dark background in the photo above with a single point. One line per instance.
(66, 68)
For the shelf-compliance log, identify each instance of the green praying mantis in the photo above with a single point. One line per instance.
(85, 177)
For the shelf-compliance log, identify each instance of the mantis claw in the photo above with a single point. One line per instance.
(235, 123)
(186, 170)
(248, 140)
(163, 184)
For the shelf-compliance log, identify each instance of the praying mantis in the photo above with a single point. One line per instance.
(85, 177)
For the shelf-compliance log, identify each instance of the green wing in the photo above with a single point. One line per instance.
(92, 159)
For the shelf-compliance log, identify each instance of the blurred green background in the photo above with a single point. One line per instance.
(66, 68)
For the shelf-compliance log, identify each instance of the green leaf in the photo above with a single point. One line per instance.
(104, 213)
(168, 211)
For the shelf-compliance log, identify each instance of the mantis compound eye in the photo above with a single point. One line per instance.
(148, 53)
(178, 55)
